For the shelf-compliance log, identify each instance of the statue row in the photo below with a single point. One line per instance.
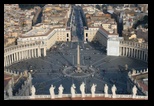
(82, 89)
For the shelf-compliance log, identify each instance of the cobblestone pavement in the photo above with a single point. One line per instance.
(48, 70)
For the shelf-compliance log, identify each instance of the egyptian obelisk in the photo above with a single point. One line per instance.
(78, 59)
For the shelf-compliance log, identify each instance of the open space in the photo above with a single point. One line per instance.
(49, 70)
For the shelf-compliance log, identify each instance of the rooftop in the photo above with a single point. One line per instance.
(88, 98)
(139, 78)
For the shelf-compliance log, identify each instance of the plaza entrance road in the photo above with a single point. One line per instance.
(48, 70)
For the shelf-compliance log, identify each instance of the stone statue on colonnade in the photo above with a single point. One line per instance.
(82, 89)
(93, 89)
(113, 91)
(51, 90)
(134, 91)
(61, 88)
(106, 90)
(73, 90)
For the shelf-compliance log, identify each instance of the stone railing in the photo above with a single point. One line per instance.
(134, 50)
(16, 73)
(77, 95)
(14, 48)
(136, 72)
(135, 82)
(18, 53)
(134, 44)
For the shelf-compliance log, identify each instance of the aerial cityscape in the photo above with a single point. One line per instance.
(76, 52)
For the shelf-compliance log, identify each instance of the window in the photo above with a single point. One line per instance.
(86, 34)
(67, 35)
(86, 39)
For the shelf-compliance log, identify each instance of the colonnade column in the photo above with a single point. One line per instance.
(11, 58)
(26, 54)
(126, 51)
(32, 53)
(123, 51)
(44, 51)
(143, 56)
(17, 56)
(134, 53)
(139, 54)
(29, 54)
(129, 52)
(120, 51)
(14, 57)
(21, 55)
(39, 52)
(8, 60)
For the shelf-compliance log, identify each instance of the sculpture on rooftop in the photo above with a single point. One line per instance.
(73, 90)
(106, 90)
(93, 89)
(10, 90)
(82, 89)
(134, 91)
(61, 88)
(33, 90)
(51, 90)
(114, 91)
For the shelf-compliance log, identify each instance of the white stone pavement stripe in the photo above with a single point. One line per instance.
(71, 45)
(58, 60)
(106, 62)
(73, 59)
(49, 62)
(58, 80)
(99, 60)
(102, 81)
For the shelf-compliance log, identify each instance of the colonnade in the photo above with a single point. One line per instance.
(21, 52)
(134, 50)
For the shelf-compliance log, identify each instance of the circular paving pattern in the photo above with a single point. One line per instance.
(85, 72)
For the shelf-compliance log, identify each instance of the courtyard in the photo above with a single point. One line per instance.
(107, 69)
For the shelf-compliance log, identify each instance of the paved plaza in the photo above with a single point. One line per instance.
(49, 70)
